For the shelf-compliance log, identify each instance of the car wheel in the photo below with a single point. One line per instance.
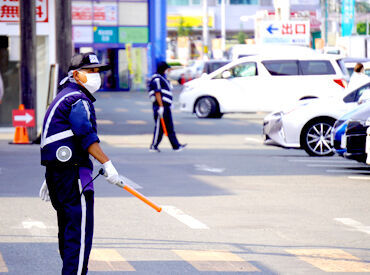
(315, 137)
(207, 107)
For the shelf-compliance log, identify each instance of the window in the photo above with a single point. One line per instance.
(282, 67)
(245, 69)
(355, 95)
(243, 2)
(196, 2)
(178, 2)
(316, 67)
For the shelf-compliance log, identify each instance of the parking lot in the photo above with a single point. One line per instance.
(231, 205)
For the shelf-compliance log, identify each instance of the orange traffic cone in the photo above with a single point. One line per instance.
(21, 135)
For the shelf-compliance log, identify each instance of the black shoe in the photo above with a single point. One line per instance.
(154, 149)
(181, 147)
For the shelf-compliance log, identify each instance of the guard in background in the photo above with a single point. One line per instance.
(161, 95)
(69, 138)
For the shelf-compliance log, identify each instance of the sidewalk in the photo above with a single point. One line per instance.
(7, 133)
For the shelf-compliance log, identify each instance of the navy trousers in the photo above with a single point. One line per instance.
(75, 214)
(158, 131)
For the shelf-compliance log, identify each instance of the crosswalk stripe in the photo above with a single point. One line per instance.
(136, 122)
(184, 218)
(3, 267)
(211, 260)
(108, 260)
(104, 122)
(331, 260)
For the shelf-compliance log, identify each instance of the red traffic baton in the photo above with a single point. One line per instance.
(164, 127)
(137, 194)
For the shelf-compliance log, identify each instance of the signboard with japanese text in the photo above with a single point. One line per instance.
(82, 34)
(133, 35)
(94, 13)
(348, 17)
(105, 34)
(9, 10)
(285, 32)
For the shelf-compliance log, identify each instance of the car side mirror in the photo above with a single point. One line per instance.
(226, 74)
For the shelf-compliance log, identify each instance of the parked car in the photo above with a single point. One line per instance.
(308, 124)
(196, 69)
(351, 62)
(338, 140)
(263, 83)
(356, 135)
(244, 50)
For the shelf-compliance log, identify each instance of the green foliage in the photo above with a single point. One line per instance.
(241, 36)
(184, 30)
(361, 28)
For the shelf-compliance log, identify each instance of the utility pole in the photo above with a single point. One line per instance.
(63, 37)
(28, 58)
(205, 29)
(223, 26)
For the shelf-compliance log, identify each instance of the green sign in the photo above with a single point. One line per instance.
(105, 35)
(133, 35)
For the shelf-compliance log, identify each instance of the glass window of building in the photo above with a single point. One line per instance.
(178, 2)
(196, 2)
(243, 2)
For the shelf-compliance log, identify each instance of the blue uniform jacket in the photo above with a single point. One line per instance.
(160, 84)
(69, 128)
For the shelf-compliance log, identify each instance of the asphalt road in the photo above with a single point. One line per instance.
(230, 204)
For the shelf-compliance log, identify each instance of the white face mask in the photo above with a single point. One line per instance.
(93, 82)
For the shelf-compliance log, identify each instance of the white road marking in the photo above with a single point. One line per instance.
(32, 224)
(354, 224)
(127, 181)
(329, 165)
(255, 140)
(358, 178)
(203, 167)
(184, 218)
(319, 161)
(348, 171)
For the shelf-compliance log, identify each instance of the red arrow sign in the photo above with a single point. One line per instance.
(24, 118)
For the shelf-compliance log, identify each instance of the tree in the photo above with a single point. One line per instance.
(184, 30)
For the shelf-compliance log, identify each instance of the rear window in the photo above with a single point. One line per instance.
(343, 67)
(316, 67)
(282, 67)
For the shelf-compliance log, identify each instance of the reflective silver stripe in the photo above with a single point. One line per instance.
(151, 93)
(167, 100)
(158, 83)
(156, 132)
(51, 114)
(56, 137)
(83, 230)
(166, 92)
(87, 109)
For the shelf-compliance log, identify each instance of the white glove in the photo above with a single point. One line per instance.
(44, 192)
(111, 173)
(160, 111)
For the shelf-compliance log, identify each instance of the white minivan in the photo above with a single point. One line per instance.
(263, 83)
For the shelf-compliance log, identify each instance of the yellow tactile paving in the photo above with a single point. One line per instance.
(104, 121)
(331, 260)
(136, 122)
(3, 267)
(108, 260)
(220, 261)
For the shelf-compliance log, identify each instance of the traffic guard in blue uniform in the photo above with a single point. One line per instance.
(69, 138)
(160, 93)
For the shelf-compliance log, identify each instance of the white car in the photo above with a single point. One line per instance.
(308, 124)
(263, 83)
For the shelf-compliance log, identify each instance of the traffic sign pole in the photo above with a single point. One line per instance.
(28, 57)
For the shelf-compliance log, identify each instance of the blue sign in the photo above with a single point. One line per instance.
(348, 17)
(270, 29)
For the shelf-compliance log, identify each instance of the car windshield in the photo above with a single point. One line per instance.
(355, 95)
